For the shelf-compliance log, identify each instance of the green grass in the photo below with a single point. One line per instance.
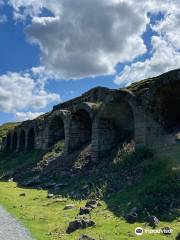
(54, 152)
(10, 162)
(47, 220)
(5, 128)
(154, 186)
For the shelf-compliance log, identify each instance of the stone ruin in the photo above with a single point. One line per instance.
(146, 112)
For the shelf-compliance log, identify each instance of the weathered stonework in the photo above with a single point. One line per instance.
(145, 113)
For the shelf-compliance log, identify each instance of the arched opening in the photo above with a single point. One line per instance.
(115, 126)
(31, 139)
(22, 140)
(56, 131)
(14, 141)
(166, 104)
(8, 142)
(80, 129)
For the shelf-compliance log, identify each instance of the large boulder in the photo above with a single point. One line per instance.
(153, 221)
(69, 206)
(85, 210)
(80, 223)
(92, 204)
(131, 217)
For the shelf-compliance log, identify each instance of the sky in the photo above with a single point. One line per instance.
(54, 50)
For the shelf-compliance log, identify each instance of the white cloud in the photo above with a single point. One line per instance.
(169, 27)
(23, 116)
(165, 58)
(85, 38)
(21, 91)
(89, 38)
(165, 49)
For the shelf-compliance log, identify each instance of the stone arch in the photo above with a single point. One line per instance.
(8, 142)
(90, 108)
(80, 128)
(115, 125)
(31, 139)
(56, 130)
(14, 141)
(22, 140)
(165, 105)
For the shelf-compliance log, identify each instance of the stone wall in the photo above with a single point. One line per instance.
(144, 113)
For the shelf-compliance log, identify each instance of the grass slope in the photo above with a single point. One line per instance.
(138, 178)
(5, 128)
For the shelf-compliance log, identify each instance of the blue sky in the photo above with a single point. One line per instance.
(48, 57)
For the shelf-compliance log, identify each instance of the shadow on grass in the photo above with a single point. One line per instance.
(131, 178)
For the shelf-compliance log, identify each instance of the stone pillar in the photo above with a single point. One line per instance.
(155, 134)
(67, 136)
(80, 130)
(11, 146)
(139, 125)
(103, 138)
(18, 140)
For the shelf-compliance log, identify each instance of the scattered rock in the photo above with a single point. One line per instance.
(60, 200)
(36, 198)
(134, 209)
(80, 223)
(69, 206)
(10, 180)
(153, 221)
(167, 231)
(178, 136)
(131, 217)
(178, 236)
(50, 195)
(85, 237)
(85, 210)
(22, 194)
(92, 204)
(81, 217)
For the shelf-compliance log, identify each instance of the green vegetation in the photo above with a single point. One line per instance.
(137, 177)
(47, 220)
(11, 162)
(5, 128)
(54, 152)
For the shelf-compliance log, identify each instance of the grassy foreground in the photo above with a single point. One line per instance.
(47, 220)
(157, 190)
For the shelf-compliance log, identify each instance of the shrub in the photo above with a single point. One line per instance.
(130, 155)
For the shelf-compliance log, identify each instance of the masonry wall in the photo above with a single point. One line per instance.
(105, 119)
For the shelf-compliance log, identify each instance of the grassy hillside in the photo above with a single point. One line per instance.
(137, 178)
(5, 128)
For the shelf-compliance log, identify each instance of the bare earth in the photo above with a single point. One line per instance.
(11, 229)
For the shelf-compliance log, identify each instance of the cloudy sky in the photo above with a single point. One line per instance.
(54, 50)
